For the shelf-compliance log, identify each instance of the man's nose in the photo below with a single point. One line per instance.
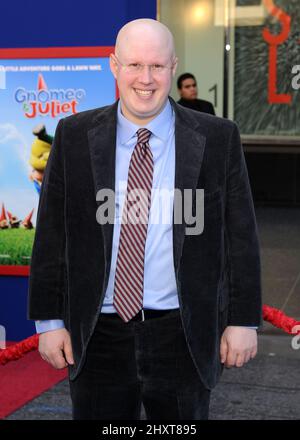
(145, 75)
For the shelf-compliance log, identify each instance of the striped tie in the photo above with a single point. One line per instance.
(129, 278)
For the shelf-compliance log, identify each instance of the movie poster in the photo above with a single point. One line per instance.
(36, 93)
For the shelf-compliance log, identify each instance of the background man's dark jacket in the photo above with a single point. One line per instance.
(198, 104)
(217, 272)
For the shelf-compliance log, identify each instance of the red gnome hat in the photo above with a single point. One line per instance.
(3, 215)
(28, 218)
(41, 83)
(10, 216)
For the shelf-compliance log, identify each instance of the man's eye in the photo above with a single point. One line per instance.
(134, 65)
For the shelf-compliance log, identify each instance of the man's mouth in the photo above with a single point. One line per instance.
(144, 92)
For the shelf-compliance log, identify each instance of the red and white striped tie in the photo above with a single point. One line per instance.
(129, 278)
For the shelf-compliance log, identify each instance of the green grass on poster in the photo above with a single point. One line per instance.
(16, 246)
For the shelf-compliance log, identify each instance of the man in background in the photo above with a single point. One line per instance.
(187, 89)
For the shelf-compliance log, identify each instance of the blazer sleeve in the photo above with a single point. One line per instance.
(241, 235)
(46, 296)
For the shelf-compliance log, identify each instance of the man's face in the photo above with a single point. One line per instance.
(143, 94)
(188, 89)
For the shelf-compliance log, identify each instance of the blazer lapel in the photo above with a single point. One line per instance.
(102, 146)
(189, 150)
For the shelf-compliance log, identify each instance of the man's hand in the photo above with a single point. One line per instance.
(55, 347)
(238, 346)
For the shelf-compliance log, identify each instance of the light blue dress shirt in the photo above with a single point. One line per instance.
(160, 291)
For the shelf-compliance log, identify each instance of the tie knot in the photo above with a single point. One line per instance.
(143, 135)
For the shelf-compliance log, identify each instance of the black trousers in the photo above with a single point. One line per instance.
(134, 362)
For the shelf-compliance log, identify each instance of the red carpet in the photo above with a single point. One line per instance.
(25, 379)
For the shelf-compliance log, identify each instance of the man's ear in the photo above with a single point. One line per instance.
(175, 64)
(113, 65)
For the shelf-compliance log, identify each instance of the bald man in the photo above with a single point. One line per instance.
(141, 306)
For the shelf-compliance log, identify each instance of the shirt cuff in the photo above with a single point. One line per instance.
(47, 325)
(246, 326)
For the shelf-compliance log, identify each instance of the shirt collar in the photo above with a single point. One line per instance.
(159, 126)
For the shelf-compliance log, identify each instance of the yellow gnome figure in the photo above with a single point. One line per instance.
(40, 151)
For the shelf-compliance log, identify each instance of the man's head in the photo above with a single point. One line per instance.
(143, 89)
(187, 86)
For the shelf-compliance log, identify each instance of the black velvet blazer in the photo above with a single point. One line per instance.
(217, 272)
